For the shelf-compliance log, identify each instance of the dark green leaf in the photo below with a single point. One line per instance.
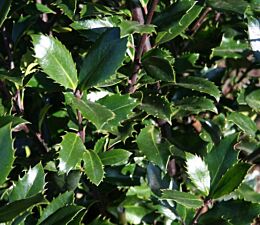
(220, 159)
(114, 157)
(68, 7)
(92, 24)
(14, 120)
(71, 152)
(44, 9)
(237, 6)
(97, 114)
(201, 85)
(186, 199)
(30, 184)
(55, 60)
(131, 27)
(247, 193)
(231, 180)
(62, 215)
(198, 173)
(243, 122)
(253, 100)
(12, 210)
(57, 203)
(93, 167)
(104, 58)
(6, 152)
(150, 143)
(4, 9)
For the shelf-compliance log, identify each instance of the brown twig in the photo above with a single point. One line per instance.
(82, 131)
(203, 209)
(140, 49)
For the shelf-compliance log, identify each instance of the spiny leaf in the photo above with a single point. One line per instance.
(57, 203)
(231, 180)
(93, 167)
(243, 122)
(30, 184)
(55, 60)
(6, 152)
(198, 173)
(114, 157)
(97, 114)
(253, 100)
(150, 144)
(200, 84)
(247, 193)
(72, 149)
(103, 59)
(186, 199)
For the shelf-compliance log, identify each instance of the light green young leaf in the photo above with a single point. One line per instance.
(186, 199)
(243, 122)
(231, 180)
(104, 58)
(71, 152)
(114, 157)
(14, 209)
(201, 85)
(97, 114)
(253, 100)
(198, 172)
(150, 144)
(220, 159)
(30, 184)
(93, 167)
(55, 60)
(6, 152)
(57, 203)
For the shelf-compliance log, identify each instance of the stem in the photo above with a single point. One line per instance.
(81, 132)
(203, 209)
(140, 49)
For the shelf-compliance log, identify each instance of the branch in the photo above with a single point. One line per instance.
(140, 49)
(203, 209)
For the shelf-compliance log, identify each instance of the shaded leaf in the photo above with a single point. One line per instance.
(44, 9)
(6, 152)
(237, 6)
(247, 193)
(104, 58)
(131, 27)
(220, 159)
(62, 215)
(4, 9)
(186, 199)
(30, 184)
(231, 180)
(201, 85)
(93, 167)
(97, 114)
(12, 210)
(243, 122)
(14, 120)
(57, 203)
(55, 60)
(198, 173)
(114, 157)
(71, 152)
(253, 100)
(150, 144)
(68, 7)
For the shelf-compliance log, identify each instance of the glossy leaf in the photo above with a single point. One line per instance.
(68, 7)
(97, 114)
(4, 9)
(92, 24)
(186, 199)
(57, 203)
(71, 152)
(114, 157)
(62, 215)
(93, 167)
(150, 144)
(200, 84)
(131, 27)
(253, 100)
(198, 173)
(231, 180)
(30, 184)
(14, 120)
(196, 105)
(121, 105)
(55, 60)
(12, 210)
(247, 193)
(104, 58)
(243, 122)
(6, 152)
(237, 6)
(220, 158)
(181, 25)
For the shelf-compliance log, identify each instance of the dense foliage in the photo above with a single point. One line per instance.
(129, 112)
